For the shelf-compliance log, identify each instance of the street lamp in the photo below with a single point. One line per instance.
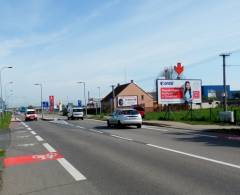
(4, 67)
(39, 84)
(100, 104)
(84, 91)
(5, 89)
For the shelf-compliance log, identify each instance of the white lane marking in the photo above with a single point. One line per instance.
(80, 127)
(165, 130)
(20, 131)
(23, 136)
(71, 169)
(26, 145)
(49, 148)
(96, 131)
(29, 129)
(196, 156)
(203, 135)
(97, 120)
(124, 138)
(154, 128)
(62, 122)
(33, 132)
(39, 138)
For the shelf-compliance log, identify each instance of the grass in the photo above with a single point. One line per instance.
(200, 116)
(5, 120)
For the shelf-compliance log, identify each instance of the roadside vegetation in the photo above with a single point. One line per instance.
(208, 116)
(5, 120)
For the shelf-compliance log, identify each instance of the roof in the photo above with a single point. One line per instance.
(117, 90)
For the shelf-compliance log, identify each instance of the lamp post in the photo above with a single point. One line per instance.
(84, 92)
(4, 67)
(5, 89)
(39, 84)
(100, 104)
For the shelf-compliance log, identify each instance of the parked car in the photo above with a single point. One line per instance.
(75, 113)
(140, 109)
(30, 114)
(124, 117)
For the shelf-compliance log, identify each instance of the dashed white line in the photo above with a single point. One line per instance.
(96, 131)
(80, 127)
(26, 145)
(33, 132)
(23, 136)
(29, 129)
(71, 169)
(67, 165)
(124, 138)
(153, 128)
(49, 147)
(39, 138)
(196, 156)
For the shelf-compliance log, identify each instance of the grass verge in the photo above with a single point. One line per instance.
(5, 120)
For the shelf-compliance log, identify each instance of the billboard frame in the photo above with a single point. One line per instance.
(157, 89)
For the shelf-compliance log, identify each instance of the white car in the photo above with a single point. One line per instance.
(124, 117)
(30, 115)
(75, 113)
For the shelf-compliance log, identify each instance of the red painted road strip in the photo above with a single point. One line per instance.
(19, 160)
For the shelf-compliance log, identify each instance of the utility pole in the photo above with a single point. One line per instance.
(225, 95)
(113, 99)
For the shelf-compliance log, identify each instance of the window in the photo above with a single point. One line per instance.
(142, 97)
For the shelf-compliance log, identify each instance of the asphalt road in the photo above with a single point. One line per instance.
(151, 160)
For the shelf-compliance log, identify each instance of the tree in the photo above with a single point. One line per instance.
(169, 73)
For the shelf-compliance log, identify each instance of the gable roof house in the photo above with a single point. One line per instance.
(125, 96)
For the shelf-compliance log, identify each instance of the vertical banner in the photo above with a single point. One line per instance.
(51, 101)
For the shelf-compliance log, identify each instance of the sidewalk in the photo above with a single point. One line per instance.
(181, 125)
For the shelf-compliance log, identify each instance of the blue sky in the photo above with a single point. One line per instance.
(105, 42)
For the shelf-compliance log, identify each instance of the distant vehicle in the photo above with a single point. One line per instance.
(30, 114)
(140, 109)
(75, 113)
(125, 117)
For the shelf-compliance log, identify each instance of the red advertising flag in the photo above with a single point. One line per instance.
(51, 102)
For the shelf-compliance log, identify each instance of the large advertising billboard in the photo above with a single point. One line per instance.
(179, 91)
(126, 101)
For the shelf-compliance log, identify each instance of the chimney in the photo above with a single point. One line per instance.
(132, 81)
(118, 84)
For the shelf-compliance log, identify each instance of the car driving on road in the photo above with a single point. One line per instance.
(75, 113)
(30, 114)
(125, 117)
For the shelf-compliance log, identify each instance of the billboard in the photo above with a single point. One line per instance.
(125, 101)
(179, 91)
(51, 101)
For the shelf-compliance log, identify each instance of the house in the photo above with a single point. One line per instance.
(126, 96)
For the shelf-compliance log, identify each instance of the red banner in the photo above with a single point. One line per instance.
(51, 102)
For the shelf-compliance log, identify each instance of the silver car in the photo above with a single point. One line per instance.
(124, 117)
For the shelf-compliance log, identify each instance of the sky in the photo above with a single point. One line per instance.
(61, 42)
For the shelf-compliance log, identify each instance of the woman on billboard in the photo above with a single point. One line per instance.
(187, 93)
